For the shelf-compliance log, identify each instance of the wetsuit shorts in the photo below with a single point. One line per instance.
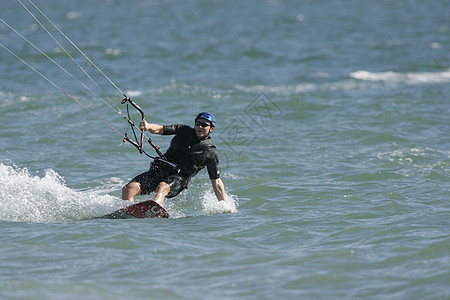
(160, 172)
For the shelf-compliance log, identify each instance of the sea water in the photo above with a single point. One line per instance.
(332, 131)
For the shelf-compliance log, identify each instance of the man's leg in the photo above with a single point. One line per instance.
(161, 192)
(130, 190)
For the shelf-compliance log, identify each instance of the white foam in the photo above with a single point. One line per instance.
(27, 197)
(211, 206)
(408, 78)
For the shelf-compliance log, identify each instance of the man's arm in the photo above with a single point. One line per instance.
(219, 189)
(152, 128)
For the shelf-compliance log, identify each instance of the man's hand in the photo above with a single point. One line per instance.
(226, 207)
(143, 125)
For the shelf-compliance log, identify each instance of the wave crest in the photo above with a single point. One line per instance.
(408, 78)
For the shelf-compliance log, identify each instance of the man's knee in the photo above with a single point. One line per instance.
(131, 187)
(126, 187)
(163, 188)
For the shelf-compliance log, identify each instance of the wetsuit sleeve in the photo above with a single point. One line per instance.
(172, 129)
(212, 163)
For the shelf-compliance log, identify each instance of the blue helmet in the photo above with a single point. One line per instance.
(207, 116)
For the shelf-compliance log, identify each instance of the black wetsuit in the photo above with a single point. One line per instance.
(188, 154)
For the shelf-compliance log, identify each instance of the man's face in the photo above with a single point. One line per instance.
(203, 128)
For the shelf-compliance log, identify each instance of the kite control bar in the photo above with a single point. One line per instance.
(140, 145)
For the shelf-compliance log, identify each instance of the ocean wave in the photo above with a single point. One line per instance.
(419, 159)
(411, 78)
(303, 88)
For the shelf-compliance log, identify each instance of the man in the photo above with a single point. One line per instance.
(190, 151)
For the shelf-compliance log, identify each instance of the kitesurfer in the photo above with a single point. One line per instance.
(191, 149)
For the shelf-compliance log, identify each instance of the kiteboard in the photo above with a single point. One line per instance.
(145, 209)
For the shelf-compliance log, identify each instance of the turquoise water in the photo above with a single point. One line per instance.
(333, 136)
